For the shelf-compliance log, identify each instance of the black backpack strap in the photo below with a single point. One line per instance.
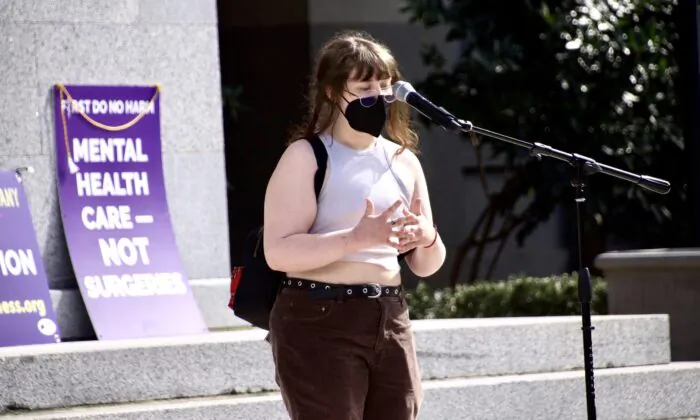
(321, 160)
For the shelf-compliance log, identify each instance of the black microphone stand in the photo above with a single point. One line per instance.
(582, 167)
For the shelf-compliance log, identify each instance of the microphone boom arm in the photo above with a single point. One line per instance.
(589, 165)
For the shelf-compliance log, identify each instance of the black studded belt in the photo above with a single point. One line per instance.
(320, 290)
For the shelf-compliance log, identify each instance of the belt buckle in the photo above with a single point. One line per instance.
(378, 290)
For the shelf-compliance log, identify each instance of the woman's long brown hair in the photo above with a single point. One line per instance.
(358, 55)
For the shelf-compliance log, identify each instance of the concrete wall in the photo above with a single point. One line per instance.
(120, 42)
(457, 200)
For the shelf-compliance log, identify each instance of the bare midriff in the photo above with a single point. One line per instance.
(348, 272)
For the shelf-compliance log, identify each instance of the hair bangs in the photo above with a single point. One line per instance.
(367, 64)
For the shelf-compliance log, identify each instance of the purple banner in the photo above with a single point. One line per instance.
(26, 312)
(115, 213)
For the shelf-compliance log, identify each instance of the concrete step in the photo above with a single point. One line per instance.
(211, 296)
(501, 346)
(669, 391)
(108, 372)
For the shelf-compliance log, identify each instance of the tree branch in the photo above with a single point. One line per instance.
(465, 246)
(476, 144)
(481, 244)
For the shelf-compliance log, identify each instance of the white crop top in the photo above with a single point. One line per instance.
(352, 175)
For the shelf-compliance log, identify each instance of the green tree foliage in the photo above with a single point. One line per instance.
(584, 76)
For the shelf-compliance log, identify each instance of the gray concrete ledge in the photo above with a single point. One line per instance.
(211, 296)
(658, 258)
(652, 281)
(650, 392)
(107, 372)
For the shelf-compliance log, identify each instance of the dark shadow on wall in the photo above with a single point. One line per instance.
(57, 260)
(269, 61)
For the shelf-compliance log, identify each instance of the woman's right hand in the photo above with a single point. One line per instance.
(374, 230)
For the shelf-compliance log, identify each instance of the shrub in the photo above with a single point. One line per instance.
(516, 296)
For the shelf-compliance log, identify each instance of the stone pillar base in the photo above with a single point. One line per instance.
(658, 281)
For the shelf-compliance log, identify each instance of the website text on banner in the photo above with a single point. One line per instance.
(115, 212)
(26, 313)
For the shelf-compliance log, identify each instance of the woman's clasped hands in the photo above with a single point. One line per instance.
(412, 229)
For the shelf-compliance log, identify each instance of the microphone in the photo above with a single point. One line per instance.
(404, 92)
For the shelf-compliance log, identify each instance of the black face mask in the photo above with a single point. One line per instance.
(367, 119)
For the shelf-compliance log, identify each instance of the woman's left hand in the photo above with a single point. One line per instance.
(416, 230)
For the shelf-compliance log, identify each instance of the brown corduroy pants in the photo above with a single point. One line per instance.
(345, 358)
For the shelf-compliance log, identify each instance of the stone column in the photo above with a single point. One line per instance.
(174, 43)
(658, 281)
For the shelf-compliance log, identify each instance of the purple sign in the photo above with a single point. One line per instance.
(115, 213)
(26, 312)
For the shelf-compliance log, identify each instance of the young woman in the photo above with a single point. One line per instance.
(340, 330)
